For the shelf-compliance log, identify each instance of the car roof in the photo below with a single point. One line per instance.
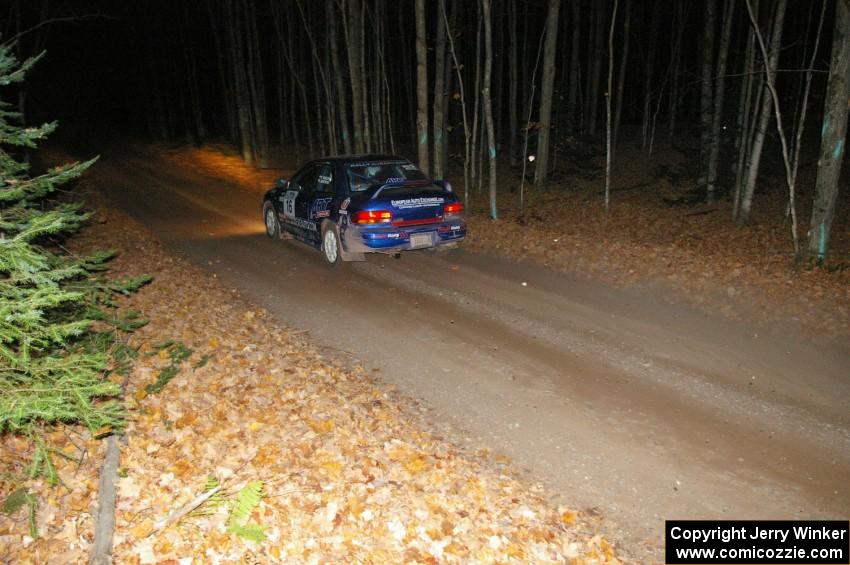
(344, 159)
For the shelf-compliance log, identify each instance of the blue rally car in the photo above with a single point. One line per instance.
(350, 206)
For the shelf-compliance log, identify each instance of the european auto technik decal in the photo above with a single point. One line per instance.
(418, 202)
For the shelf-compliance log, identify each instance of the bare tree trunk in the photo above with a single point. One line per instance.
(387, 97)
(422, 88)
(243, 101)
(378, 101)
(764, 114)
(317, 107)
(497, 74)
(480, 154)
(408, 66)
(330, 107)
(804, 105)
(352, 31)
(448, 81)
(439, 95)
(541, 172)
(575, 67)
(296, 136)
(745, 119)
(488, 106)
(621, 79)
(513, 121)
(706, 92)
(525, 156)
(608, 154)
(648, 73)
(524, 57)
(364, 80)
(719, 93)
(477, 103)
(596, 72)
(320, 76)
(770, 79)
(801, 81)
(341, 92)
(289, 55)
(257, 88)
(466, 132)
(681, 18)
(833, 136)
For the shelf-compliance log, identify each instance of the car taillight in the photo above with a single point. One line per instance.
(373, 217)
(452, 208)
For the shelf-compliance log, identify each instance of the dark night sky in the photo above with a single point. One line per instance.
(86, 73)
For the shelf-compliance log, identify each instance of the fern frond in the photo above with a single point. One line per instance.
(245, 502)
(213, 503)
(241, 508)
(250, 532)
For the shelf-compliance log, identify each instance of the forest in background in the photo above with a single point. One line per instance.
(527, 85)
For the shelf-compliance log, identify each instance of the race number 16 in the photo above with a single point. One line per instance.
(289, 203)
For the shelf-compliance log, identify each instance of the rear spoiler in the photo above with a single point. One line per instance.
(393, 183)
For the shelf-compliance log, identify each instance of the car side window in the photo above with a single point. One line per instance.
(325, 179)
(306, 181)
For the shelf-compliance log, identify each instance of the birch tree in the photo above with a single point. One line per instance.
(621, 79)
(770, 65)
(488, 105)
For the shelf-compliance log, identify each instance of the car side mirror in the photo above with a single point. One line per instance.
(281, 183)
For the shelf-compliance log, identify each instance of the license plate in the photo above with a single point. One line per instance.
(418, 240)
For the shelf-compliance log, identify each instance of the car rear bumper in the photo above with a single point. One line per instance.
(394, 239)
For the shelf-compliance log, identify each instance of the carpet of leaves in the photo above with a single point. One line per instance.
(652, 235)
(349, 471)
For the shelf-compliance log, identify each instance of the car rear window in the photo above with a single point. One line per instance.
(364, 175)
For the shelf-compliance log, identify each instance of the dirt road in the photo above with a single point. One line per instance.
(614, 399)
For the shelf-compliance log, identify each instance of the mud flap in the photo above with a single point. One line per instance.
(344, 254)
(349, 256)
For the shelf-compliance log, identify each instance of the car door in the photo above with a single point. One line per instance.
(317, 205)
(292, 203)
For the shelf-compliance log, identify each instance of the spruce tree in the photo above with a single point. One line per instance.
(53, 362)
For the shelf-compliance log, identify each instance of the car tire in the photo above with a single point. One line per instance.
(331, 244)
(271, 222)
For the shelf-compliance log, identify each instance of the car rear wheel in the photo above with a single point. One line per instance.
(331, 245)
(270, 219)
